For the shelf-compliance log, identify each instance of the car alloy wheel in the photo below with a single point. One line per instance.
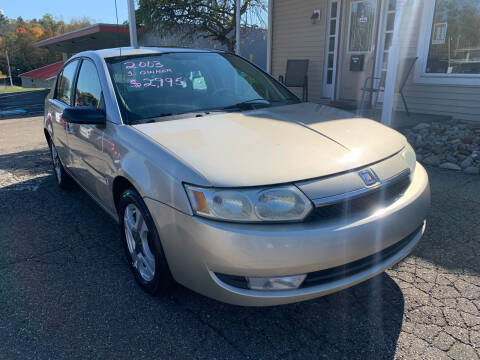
(136, 234)
(142, 244)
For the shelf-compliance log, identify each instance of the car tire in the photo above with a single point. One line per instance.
(64, 180)
(142, 245)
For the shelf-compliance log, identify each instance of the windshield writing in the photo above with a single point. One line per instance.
(174, 83)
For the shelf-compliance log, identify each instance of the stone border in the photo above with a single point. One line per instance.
(451, 144)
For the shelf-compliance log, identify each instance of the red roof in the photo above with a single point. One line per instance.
(45, 72)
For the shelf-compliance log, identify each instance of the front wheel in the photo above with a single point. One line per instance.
(64, 180)
(142, 245)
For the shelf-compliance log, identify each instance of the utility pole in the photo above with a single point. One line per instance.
(237, 27)
(8, 67)
(132, 24)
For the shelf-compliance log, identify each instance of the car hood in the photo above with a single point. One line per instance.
(275, 145)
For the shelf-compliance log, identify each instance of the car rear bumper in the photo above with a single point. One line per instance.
(201, 252)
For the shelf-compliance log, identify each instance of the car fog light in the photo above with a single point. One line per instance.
(275, 283)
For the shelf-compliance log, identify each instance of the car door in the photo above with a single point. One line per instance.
(86, 141)
(62, 98)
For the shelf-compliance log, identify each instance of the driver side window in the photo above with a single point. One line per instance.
(88, 91)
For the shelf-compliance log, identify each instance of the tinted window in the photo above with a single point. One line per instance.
(173, 83)
(88, 91)
(65, 81)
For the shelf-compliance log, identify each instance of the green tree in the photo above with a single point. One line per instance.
(213, 19)
(19, 36)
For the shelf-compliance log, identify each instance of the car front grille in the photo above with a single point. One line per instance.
(365, 204)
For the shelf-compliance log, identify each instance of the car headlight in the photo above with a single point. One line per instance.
(282, 203)
(409, 155)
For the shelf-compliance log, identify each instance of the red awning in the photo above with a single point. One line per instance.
(93, 37)
(45, 72)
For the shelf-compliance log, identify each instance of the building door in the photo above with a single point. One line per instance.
(358, 44)
(331, 48)
(384, 44)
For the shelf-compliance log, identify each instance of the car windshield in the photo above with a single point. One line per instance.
(152, 86)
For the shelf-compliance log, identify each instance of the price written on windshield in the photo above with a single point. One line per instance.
(157, 82)
(145, 73)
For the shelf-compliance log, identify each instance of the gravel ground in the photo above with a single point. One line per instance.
(66, 291)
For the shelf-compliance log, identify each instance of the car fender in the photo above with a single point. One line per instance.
(155, 173)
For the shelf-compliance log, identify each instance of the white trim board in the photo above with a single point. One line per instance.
(269, 36)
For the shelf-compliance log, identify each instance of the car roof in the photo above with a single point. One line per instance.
(128, 51)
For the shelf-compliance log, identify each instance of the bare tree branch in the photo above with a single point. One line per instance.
(213, 19)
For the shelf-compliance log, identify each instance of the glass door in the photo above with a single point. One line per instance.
(331, 48)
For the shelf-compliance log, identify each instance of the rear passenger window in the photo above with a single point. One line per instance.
(65, 82)
(88, 90)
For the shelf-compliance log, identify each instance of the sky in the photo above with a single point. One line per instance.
(99, 11)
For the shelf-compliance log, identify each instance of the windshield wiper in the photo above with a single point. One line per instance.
(248, 104)
(180, 114)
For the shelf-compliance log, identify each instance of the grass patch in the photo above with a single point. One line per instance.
(17, 89)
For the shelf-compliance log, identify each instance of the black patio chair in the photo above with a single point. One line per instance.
(405, 71)
(296, 76)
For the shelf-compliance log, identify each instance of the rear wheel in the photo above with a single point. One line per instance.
(142, 245)
(64, 180)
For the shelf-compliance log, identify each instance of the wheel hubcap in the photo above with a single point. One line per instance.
(136, 233)
(56, 164)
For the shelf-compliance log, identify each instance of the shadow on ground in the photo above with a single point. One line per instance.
(27, 162)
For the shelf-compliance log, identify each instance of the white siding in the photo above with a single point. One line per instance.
(462, 102)
(295, 37)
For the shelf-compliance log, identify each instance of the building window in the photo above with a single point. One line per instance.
(362, 21)
(454, 46)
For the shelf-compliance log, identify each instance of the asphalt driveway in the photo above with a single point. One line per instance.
(66, 291)
(22, 104)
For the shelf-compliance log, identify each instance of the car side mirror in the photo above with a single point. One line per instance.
(84, 115)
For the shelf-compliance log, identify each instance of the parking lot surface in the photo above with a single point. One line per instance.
(22, 104)
(66, 291)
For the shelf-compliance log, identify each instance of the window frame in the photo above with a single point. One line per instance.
(74, 81)
(350, 25)
(77, 74)
(423, 47)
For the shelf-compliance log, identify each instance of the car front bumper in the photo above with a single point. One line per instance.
(198, 249)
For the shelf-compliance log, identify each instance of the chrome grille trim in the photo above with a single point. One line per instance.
(329, 200)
